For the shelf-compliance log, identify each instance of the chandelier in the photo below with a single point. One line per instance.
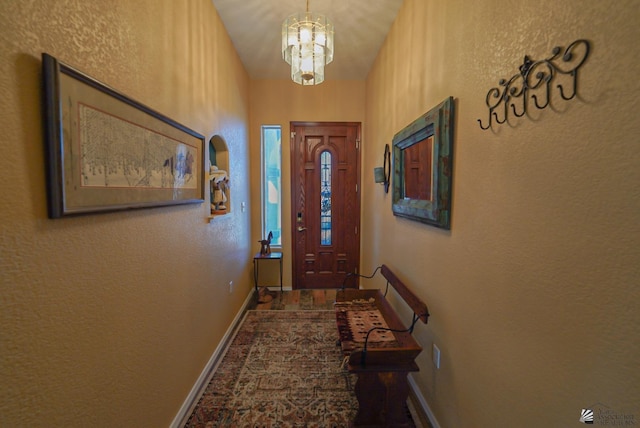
(307, 45)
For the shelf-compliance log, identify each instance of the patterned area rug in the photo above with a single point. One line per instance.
(283, 369)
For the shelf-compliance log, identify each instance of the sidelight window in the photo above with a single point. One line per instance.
(271, 164)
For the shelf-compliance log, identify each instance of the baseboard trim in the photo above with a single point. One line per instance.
(192, 399)
(420, 404)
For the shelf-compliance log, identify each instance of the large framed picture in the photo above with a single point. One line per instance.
(107, 152)
(423, 156)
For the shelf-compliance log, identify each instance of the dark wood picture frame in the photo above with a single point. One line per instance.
(431, 167)
(107, 152)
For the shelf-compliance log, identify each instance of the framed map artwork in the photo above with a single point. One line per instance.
(107, 152)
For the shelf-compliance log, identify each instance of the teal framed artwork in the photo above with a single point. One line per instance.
(422, 167)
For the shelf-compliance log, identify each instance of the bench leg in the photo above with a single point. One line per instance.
(397, 395)
(381, 399)
(371, 396)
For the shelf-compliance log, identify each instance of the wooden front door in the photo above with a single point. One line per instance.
(325, 159)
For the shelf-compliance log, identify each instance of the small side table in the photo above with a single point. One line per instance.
(271, 256)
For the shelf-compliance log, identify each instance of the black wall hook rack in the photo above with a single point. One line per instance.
(533, 84)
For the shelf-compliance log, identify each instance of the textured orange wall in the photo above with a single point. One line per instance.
(108, 320)
(534, 292)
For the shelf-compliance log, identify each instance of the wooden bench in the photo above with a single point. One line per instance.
(382, 363)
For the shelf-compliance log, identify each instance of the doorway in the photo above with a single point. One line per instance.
(325, 192)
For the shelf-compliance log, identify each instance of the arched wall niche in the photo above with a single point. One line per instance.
(218, 176)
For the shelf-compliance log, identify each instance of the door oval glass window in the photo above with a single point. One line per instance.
(325, 198)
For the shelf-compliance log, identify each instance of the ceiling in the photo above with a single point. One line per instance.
(360, 29)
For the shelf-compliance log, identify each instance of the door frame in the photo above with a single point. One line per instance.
(292, 142)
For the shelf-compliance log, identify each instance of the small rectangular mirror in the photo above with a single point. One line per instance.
(422, 160)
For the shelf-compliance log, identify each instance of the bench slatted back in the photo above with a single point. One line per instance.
(417, 305)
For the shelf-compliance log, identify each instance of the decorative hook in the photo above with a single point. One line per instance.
(539, 81)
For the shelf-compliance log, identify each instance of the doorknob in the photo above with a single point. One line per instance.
(301, 229)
